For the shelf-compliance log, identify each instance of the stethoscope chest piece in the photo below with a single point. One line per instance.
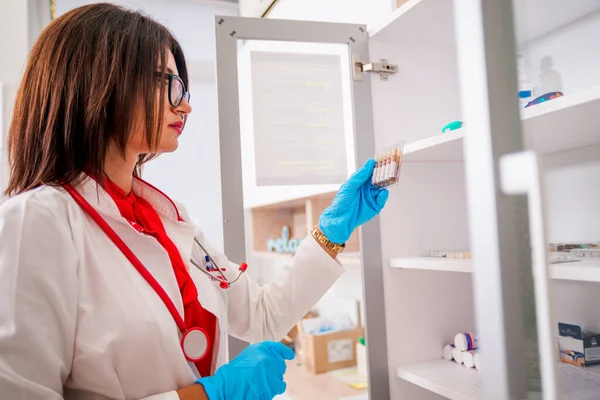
(194, 343)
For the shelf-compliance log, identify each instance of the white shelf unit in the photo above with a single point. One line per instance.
(427, 302)
(428, 210)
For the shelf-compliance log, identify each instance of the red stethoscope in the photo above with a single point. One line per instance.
(194, 341)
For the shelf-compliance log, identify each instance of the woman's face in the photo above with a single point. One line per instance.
(173, 120)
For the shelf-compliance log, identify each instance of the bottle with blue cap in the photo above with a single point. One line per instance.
(526, 88)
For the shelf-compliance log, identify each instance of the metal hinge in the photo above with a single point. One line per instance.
(383, 68)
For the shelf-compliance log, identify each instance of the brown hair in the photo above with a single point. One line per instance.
(85, 75)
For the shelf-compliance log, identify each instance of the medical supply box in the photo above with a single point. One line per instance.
(330, 350)
(578, 347)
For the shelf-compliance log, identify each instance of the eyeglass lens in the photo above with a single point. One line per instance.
(177, 91)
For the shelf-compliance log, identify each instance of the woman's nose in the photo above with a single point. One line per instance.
(184, 108)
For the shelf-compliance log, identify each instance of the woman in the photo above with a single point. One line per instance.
(98, 297)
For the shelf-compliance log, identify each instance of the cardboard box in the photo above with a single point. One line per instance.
(329, 351)
(578, 347)
(400, 2)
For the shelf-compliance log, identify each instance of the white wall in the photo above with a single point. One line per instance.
(190, 21)
(13, 50)
(574, 52)
(571, 178)
(350, 11)
(191, 175)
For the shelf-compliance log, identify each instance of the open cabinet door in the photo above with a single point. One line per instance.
(234, 33)
(513, 290)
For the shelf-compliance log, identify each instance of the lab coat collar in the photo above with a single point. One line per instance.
(97, 196)
(181, 232)
(160, 201)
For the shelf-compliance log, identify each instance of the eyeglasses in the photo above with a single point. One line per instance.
(177, 92)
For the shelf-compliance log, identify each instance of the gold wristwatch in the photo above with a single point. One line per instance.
(320, 237)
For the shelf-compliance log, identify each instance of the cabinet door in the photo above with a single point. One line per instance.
(515, 285)
(234, 36)
(498, 223)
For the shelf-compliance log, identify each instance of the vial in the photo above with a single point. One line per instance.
(390, 169)
(387, 166)
(386, 172)
(381, 170)
(395, 165)
(376, 170)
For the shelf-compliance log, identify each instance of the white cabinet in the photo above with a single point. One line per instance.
(456, 61)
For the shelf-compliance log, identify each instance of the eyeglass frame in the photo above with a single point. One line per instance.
(185, 95)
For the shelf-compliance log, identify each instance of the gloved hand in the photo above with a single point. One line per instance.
(356, 203)
(255, 374)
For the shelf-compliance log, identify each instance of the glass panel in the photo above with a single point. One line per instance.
(314, 105)
(297, 69)
(297, 138)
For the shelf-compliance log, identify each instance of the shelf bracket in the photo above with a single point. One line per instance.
(383, 68)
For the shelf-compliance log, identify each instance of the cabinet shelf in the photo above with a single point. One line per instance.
(587, 270)
(566, 123)
(448, 379)
(438, 148)
(584, 270)
(456, 382)
(432, 264)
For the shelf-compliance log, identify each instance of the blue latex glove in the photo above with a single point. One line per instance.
(356, 203)
(255, 374)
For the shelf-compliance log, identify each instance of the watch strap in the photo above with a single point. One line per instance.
(322, 239)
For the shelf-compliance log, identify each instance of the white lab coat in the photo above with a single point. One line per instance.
(77, 321)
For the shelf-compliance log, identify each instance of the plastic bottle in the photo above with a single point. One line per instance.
(526, 89)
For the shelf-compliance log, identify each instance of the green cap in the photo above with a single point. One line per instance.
(452, 126)
(361, 340)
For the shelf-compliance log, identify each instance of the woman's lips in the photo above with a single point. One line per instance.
(178, 126)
